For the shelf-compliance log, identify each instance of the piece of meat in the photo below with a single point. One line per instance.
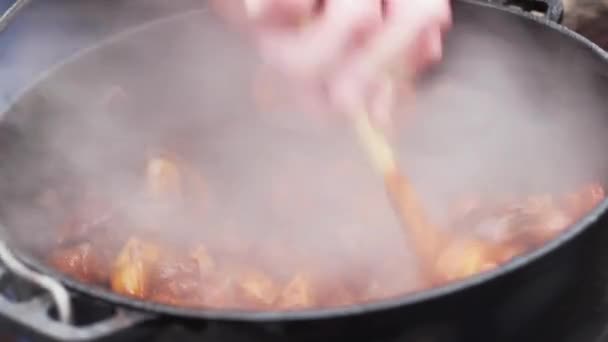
(596, 194)
(550, 222)
(194, 280)
(82, 262)
(162, 204)
(132, 270)
(336, 295)
(517, 225)
(504, 253)
(529, 222)
(219, 291)
(277, 256)
(379, 289)
(235, 271)
(163, 179)
(330, 285)
(176, 280)
(204, 261)
(255, 289)
(471, 210)
(579, 203)
(542, 217)
(461, 259)
(393, 277)
(299, 293)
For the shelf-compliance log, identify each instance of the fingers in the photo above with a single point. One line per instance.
(249, 15)
(312, 50)
(352, 46)
(280, 13)
(410, 39)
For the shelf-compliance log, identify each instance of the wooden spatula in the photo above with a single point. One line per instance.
(426, 238)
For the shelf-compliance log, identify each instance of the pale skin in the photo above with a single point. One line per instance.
(338, 51)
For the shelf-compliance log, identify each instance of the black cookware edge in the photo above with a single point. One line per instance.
(32, 314)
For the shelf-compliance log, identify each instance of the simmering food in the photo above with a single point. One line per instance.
(103, 243)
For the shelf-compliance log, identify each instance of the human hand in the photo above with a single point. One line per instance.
(348, 54)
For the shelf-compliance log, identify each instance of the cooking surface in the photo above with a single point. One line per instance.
(582, 316)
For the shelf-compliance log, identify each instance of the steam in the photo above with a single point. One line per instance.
(508, 111)
(514, 111)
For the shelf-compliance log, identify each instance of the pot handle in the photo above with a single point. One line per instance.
(552, 9)
(35, 313)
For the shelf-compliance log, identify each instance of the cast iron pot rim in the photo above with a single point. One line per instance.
(407, 299)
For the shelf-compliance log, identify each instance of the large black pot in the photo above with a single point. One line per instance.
(495, 305)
